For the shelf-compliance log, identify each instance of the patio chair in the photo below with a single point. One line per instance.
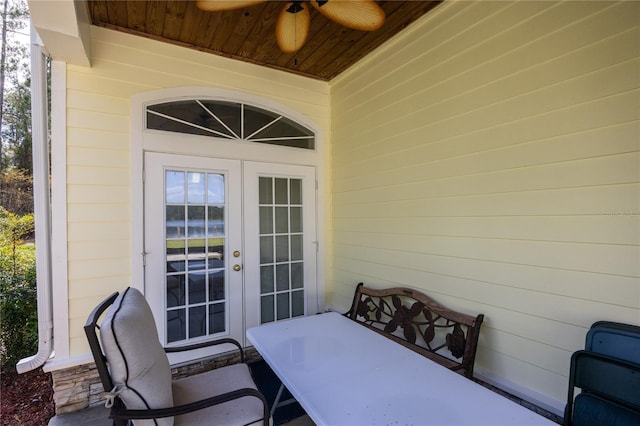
(135, 373)
(609, 391)
(615, 339)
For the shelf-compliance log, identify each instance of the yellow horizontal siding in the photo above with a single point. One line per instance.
(99, 139)
(93, 138)
(489, 156)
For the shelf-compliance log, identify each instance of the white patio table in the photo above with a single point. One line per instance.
(344, 374)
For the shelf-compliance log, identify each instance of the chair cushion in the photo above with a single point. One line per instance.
(137, 361)
(241, 411)
(591, 410)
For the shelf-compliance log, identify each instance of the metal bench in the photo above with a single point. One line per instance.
(418, 322)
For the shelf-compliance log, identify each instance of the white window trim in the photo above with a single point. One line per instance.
(140, 142)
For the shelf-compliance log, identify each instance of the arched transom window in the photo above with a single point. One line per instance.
(228, 120)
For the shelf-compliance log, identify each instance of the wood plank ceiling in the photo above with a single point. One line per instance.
(249, 34)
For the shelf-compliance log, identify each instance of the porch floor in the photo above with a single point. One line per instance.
(266, 380)
(268, 383)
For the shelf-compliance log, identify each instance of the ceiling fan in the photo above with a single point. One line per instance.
(292, 26)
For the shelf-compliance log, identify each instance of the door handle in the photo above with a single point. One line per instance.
(237, 267)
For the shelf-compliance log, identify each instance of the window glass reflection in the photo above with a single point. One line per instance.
(282, 277)
(266, 279)
(217, 318)
(265, 190)
(267, 313)
(216, 285)
(195, 188)
(215, 221)
(174, 186)
(282, 309)
(197, 321)
(175, 290)
(176, 325)
(195, 222)
(281, 190)
(175, 226)
(197, 283)
(215, 191)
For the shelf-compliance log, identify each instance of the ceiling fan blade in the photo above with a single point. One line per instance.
(220, 5)
(363, 15)
(292, 27)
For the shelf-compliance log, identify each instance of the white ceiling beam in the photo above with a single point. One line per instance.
(64, 28)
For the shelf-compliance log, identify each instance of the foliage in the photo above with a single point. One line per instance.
(18, 302)
(16, 127)
(15, 97)
(16, 191)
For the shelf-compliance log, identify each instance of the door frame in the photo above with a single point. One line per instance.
(144, 140)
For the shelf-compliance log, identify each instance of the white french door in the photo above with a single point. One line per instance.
(229, 244)
(280, 242)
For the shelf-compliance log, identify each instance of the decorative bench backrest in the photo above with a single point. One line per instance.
(419, 323)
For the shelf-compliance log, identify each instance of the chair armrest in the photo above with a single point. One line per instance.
(124, 414)
(174, 349)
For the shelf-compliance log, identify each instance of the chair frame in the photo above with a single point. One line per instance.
(120, 414)
(575, 380)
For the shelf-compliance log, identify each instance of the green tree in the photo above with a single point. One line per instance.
(18, 301)
(15, 97)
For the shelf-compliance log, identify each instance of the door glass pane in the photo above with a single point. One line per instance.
(197, 287)
(296, 247)
(282, 220)
(195, 188)
(281, 229)
(216, 285)
(266, 220)
(297, 275)
(266, 279)
(282, 248)
(215, 191)
(176, 325)
(174, 186)
(265, 190)
(195, 244)
(282, 306)
(215, 221)
(175, 225)
(282, 277)
(267, 313)
(175, 255)
(197, 321)
(217, 318)
(215, 253)
(195, 221)
(297, 303)
(175, 290)
(281, 191)
(296, 219)
(295, 186)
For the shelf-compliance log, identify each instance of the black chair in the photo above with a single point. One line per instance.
(615, 339)
(610, 391)
(135, 373)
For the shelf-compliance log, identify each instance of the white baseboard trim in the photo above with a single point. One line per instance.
(536, 398)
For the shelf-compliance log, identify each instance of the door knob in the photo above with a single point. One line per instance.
(237, 267)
